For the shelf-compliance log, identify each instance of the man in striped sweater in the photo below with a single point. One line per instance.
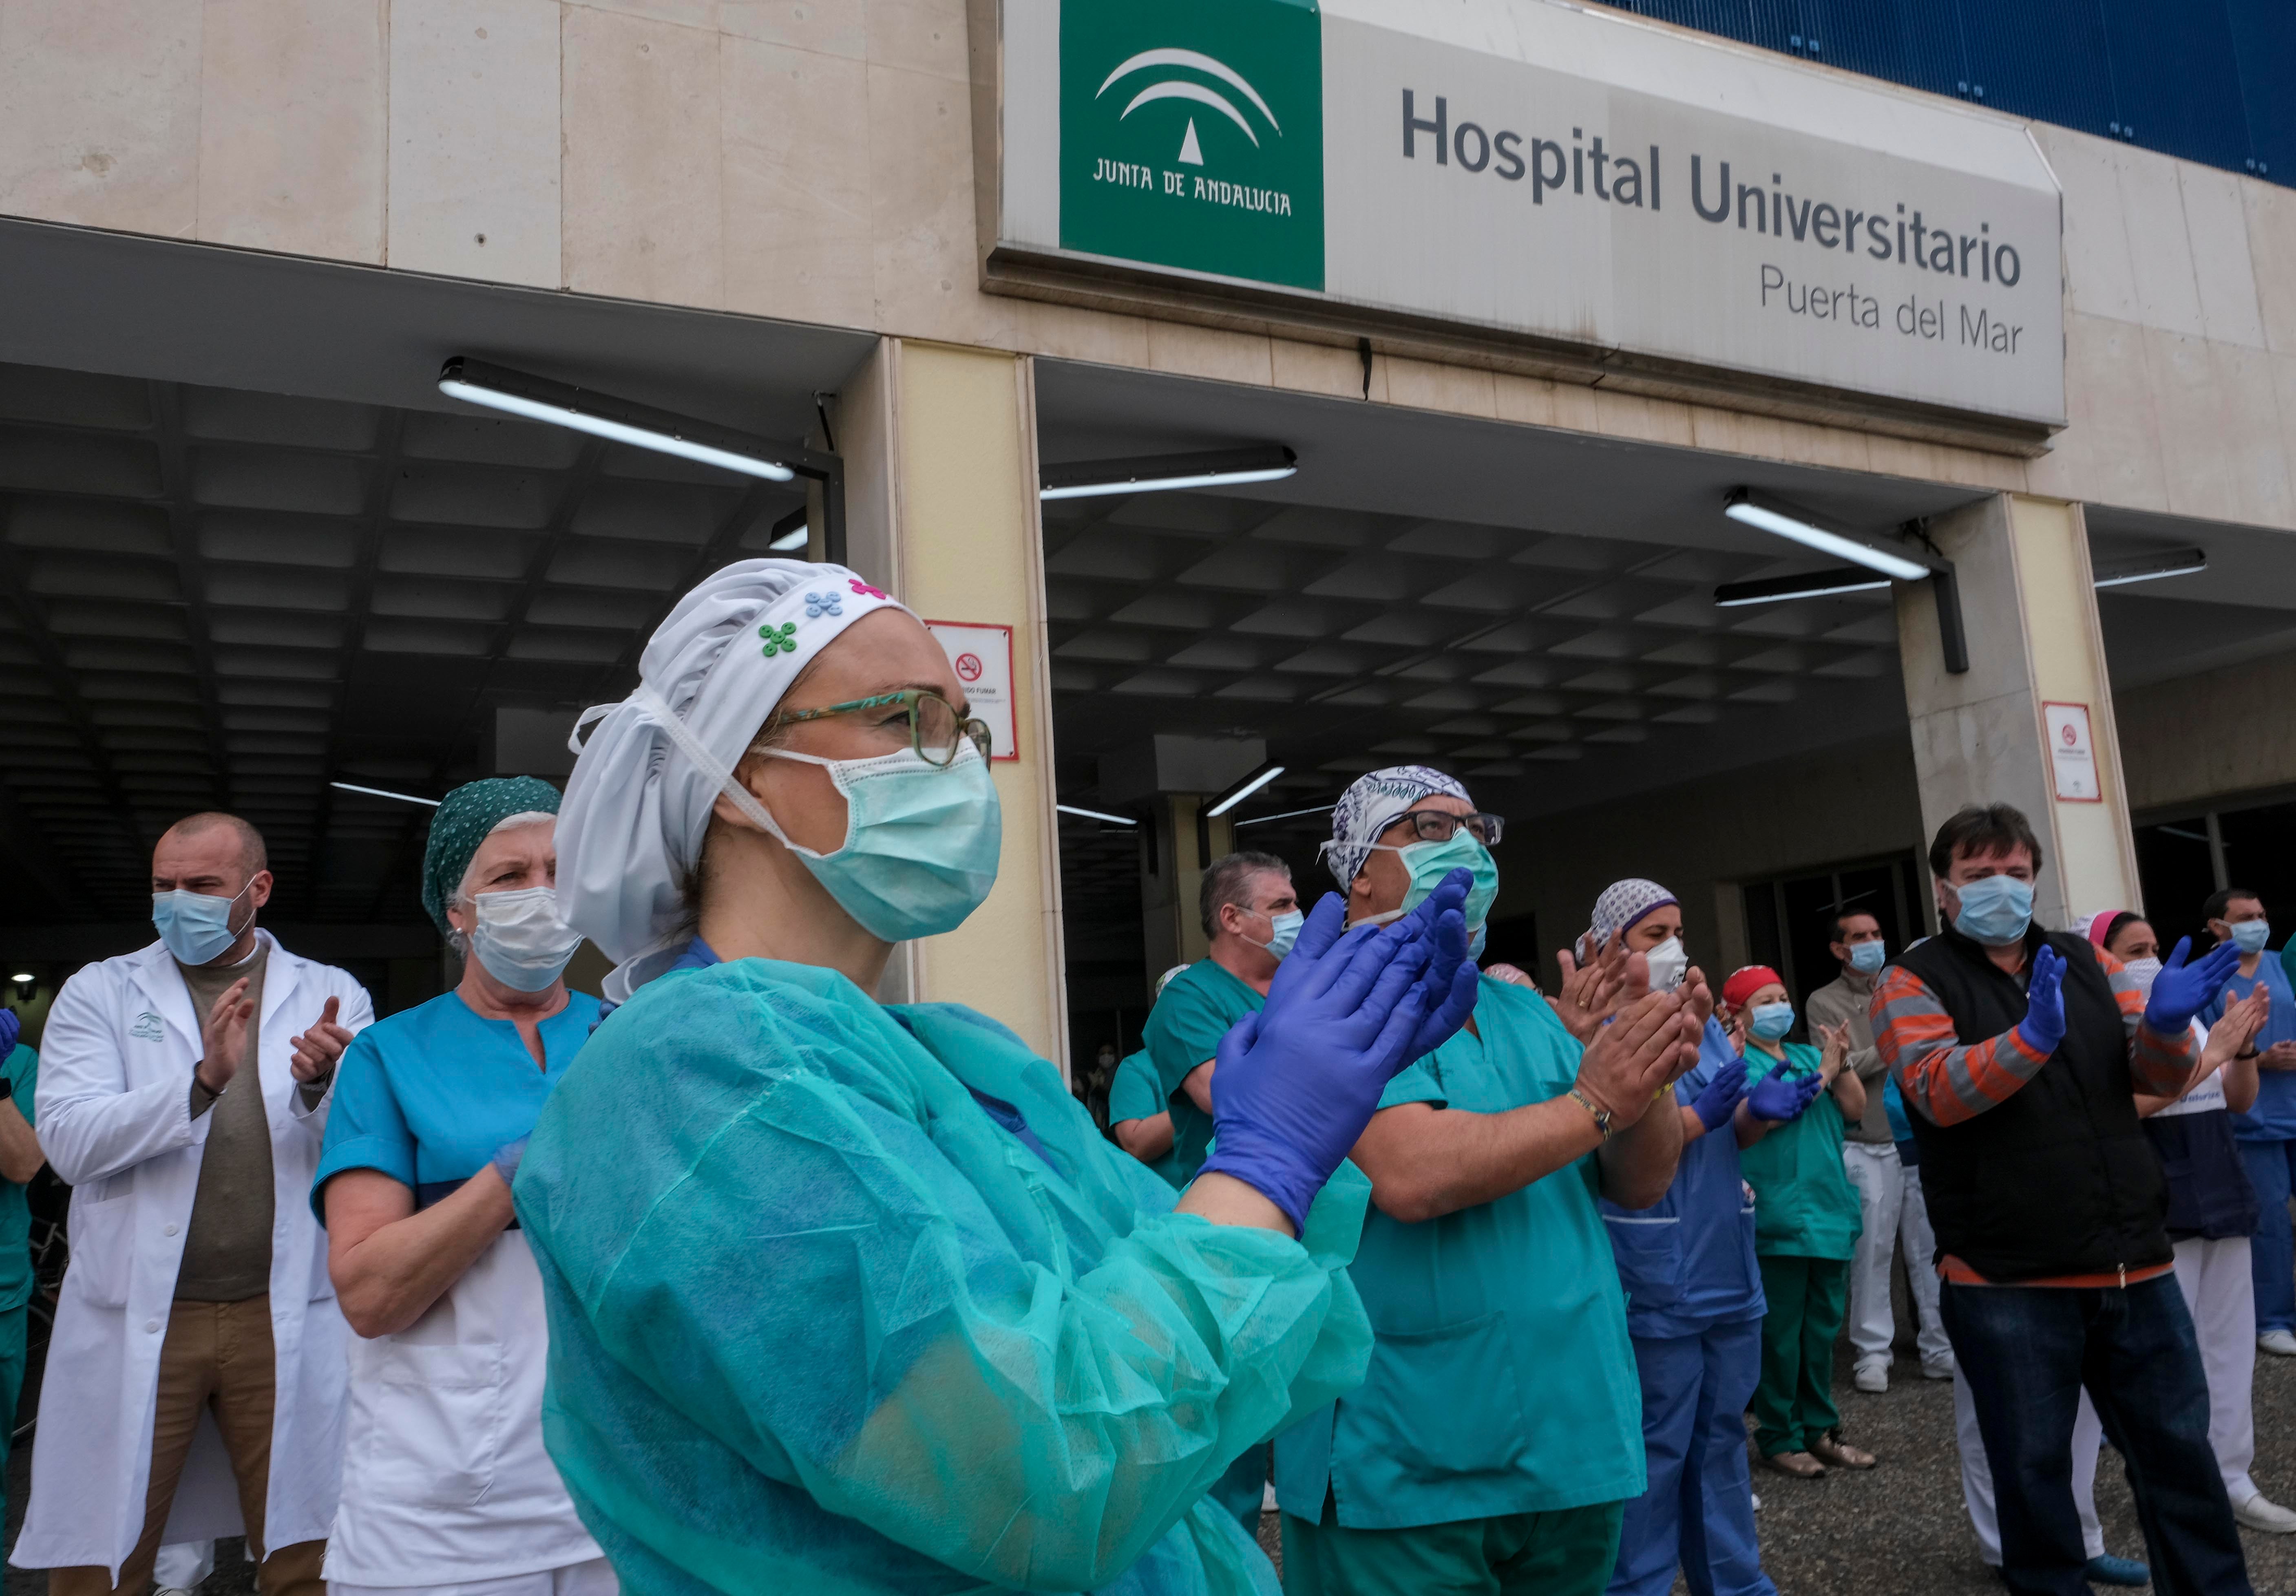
(2019, 1054)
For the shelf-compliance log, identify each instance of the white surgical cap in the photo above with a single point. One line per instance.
(639, 801)
(1371, 805)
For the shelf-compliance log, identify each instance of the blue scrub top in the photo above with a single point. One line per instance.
(1502, 1379)
(1133, 1094)
(2273, 1115)
(1688, 1264)
(428, 1095)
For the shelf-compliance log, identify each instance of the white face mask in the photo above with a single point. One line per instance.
(2142, 971)
(519, 938)
(1667, 964)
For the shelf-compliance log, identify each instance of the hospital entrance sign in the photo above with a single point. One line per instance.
(1649, 203)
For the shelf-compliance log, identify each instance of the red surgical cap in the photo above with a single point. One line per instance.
(1744, 983)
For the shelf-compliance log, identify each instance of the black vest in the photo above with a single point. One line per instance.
(2058, 1179)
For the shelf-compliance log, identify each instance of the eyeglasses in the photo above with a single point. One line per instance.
(928, 721)
(1438, 825)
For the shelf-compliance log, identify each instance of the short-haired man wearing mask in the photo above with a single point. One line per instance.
(1250, 912)
(1497, 1437)
(2020, 1053)
(182, 1095)
(1870, 1154)
(2266, 1132)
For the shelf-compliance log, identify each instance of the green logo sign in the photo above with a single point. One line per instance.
(1192, 135)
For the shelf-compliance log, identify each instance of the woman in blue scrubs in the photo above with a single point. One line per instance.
(445, 1484)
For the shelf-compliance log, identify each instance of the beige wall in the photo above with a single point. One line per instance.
(816, 163)
(2211, 736)
(1702, 838)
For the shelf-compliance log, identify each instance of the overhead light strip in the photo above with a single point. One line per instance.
(1113, 820)
(2176, 562)
(1261, 820)
(1253, 783)
(403, 798)
(1807, 585)
(474, 382)
(1162, 473)
(1749, 508)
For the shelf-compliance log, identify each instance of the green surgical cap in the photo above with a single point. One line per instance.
(462, 823)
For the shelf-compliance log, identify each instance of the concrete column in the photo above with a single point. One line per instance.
(940, 451)
(2029, 607)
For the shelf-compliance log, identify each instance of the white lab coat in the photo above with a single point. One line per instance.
(115, 1121)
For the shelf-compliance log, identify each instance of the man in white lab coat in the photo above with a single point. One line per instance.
(182, 1094)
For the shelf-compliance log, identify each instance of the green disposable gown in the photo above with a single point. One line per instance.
(819, 1323)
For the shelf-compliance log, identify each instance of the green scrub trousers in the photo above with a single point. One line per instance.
(14, 1322)
(1794, 1404)
(1570, 1552)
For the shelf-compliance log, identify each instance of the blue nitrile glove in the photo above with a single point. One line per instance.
(1719, 1099)
(1782, 1097)
(11, 1026)
(2183, 990)
(2044, 1025)
(1294, 1085)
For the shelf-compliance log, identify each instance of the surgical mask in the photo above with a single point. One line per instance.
(195, 926)
(1995, 910)
(1286, 932)
(2249, 935)
(1429, 863)
(1770, 1021)
(920, 840)
(520, 939)
(1667, 964)
(2142, 971)
(1866, 957)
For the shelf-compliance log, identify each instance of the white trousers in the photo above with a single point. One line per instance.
(2221, 1293)
(182, 1566)
(1976, 1474)
(1891, 1207)
(595, 1578)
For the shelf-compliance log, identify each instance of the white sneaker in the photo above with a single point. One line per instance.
(2270, 1516)
(1872, 1376)
(2279, 1342)
(1758, 1505)
(1941, 1369)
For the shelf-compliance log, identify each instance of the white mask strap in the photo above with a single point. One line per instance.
(704, 761)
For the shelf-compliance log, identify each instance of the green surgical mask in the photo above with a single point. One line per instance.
(1429, 862)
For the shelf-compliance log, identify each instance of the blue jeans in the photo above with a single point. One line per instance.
(2272, 1257)
(1699, 1511)
(2027, 1352)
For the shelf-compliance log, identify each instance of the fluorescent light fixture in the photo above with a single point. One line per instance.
(403, 798)
(794, 538)
(1158, 473)
(1251, 784)
(1781, 520)
(25, 977)
(1807, 585)
(1261, 820)
(2170, 562)
(1113, 820)
(538, 399)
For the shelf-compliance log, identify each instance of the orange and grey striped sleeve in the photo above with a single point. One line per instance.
(2161, 1066)
(1941, 1078)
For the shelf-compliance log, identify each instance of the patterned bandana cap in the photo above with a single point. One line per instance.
(639, 802)
(1622, 905)
(1744, 983)
(462, 822)
(1370, 805)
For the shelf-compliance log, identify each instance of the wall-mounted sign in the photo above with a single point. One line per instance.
(2071, 755)
(981, 656)
(1546, 171)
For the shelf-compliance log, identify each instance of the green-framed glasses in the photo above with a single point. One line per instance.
(926, 721)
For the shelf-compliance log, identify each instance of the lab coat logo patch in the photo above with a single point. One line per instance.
(148, 1028)
(1192, 135)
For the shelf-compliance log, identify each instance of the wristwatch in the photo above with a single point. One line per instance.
(1602, 1114)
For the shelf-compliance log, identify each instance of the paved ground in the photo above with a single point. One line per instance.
(1898, 1528)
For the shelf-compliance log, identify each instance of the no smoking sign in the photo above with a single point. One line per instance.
(981, 656)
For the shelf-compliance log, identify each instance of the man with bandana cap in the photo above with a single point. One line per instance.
(1497, 1435)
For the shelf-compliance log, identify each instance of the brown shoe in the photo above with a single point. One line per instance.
(1800, 1464)
(1834, 1449)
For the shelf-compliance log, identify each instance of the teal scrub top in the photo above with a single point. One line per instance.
(1502, 1378)
(22, 1068)
(1804, 1204)
(1133, 1096)
(1184, 1030)
(430, 1095)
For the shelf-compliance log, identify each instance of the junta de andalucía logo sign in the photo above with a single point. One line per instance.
(1192, 135)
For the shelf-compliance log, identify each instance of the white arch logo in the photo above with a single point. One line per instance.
(1182, 89)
